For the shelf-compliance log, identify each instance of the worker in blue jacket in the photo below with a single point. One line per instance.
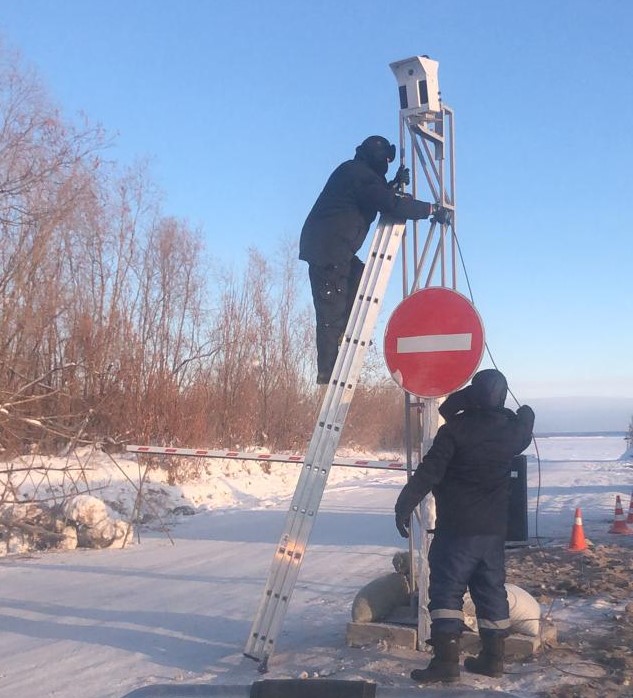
(336, 228)
(468, 470)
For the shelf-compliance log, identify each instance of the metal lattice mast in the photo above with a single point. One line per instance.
(427, 128)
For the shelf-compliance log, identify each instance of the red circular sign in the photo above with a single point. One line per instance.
(434, 342)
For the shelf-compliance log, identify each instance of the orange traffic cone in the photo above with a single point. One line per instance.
(629, 518)
(619, 525)
(577, 542)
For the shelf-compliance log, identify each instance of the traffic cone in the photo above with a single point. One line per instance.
(619, 525)
(629, 518)
(577, 542)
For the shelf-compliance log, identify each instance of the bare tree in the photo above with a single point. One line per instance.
(111, 326)
(46, 169)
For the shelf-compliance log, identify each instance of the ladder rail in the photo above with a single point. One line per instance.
(307, 495)
(321, 451)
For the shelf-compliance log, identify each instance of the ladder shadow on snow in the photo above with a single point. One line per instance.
(348, 528)
(163, 637)
(203, 576)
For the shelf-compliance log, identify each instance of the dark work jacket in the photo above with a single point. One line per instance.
(468, 468)
(339, 221)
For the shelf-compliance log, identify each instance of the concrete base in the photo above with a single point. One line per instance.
(406, 636)
(363, 634)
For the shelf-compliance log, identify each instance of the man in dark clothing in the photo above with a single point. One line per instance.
(336, 228)
(468, 470)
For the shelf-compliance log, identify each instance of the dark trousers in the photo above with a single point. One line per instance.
(334, 291)
(476, 563)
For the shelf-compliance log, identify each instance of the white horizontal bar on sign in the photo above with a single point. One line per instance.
(434, 342)
(248, 455)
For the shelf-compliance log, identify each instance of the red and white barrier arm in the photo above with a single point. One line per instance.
(248, 455)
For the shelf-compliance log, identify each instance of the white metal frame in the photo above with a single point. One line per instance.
(427, 135)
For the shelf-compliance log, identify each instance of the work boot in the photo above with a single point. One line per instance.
(324, 378)
(489, 661)
(444, 665)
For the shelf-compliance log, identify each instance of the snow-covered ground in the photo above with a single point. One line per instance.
(177, 606)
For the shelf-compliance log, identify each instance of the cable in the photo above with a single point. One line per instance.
(494, 363)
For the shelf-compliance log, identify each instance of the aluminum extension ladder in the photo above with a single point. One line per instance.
(321, 451)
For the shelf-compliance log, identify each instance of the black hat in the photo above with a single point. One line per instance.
(377, 148)
(489, 388)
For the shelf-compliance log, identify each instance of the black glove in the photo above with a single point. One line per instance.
(405, 504)
(525, 415)
(526, 411)
(402, 178)
(440, 215)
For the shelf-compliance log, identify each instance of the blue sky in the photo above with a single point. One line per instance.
(244, 108)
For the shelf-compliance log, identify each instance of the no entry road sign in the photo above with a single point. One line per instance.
(434, 342)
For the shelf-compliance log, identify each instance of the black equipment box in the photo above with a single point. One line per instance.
(517, 516)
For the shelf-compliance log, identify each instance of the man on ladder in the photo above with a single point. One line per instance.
(336, 228)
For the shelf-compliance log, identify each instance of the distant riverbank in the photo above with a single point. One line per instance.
(548, 434)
